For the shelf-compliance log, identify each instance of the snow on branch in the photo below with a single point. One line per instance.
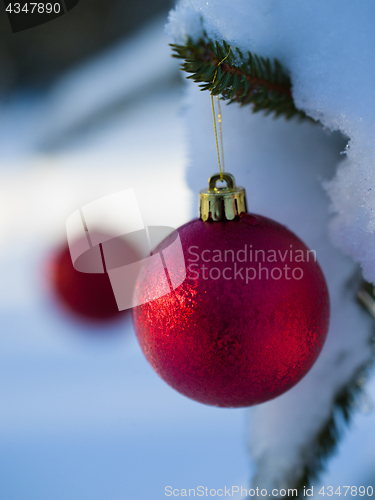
(249, 79)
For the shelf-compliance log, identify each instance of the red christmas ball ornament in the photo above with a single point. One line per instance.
(251, 316)
(87, 295)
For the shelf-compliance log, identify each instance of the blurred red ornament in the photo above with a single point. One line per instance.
(88, 296)
(249, 320)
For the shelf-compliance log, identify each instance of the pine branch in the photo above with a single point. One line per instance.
(327, 440)
(316, 453)
(324, 446)
(243, 79)
(344, 404)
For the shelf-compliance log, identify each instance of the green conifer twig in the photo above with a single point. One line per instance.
(246, 79)
(326, 441)
(344, 404)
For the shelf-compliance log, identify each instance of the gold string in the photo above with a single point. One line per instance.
(219, 119)
(221, 134)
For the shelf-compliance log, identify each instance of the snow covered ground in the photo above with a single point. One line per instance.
(82, 415)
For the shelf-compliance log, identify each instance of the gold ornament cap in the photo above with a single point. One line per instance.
(220, 203)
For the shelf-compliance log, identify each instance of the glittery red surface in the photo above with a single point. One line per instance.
(229, 343)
